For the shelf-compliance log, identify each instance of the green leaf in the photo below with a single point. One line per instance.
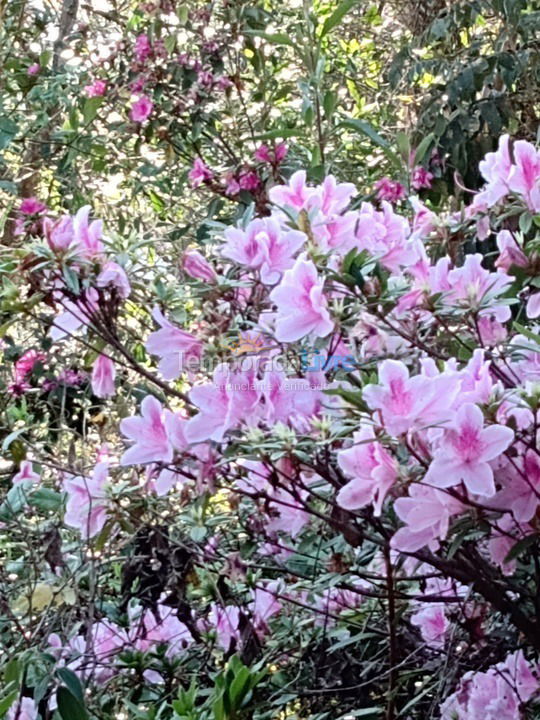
(404, 146)
(12, 671)
(337, 16)
(45, 499)
(8, 130)
(525, 222)
(279, 133)
(72, 682)
(240, 686)
(69, 706)
(528, 334)
(72, 280)
(158, 203)
(7, 702)
(329, 103)
(274, 38)
(90, 109)
(366, 129)
(521, 546)
(422, 148)
(170, 43)
(15, 500)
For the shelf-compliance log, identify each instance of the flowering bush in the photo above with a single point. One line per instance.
(296, 475)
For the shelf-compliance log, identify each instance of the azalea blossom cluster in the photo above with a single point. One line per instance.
(431, 432)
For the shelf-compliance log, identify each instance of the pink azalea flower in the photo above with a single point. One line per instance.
(163, 628)
(476, 379)
(96, 89)
(143, 48)
(281, 152)
(265, 605)
(200, 173)
(497, 694)
(465, 452)
(113, 275)
(390, 190)
(272, 156)
(141, 109)
(263, 154)
(87, 235)
(33, 69)
(229, 399)
(32, 206)
(433, 624)
(205, 78)
(421, 178)
(196, 266)
(288, 513)
(226, 623)
(491, 331)
(295, 195)
(286, 510)
(301, 304)
(495, 168)
(59, 234)
(405, 402)
(108, 639)
(288, 400)
(156, 433)
(166, 481)
(533, 306)
(26, 472)
(175, 347)
(138, 85)
(23, 708)
(524, 178)
(249, 181)
(334, 601)
(426, 513)
(232, 187)
(87, 504)
(424, 221)
(223, 83)
(505, 534)
(385, 235)
(522, 488)
(372, 469)
(474, 287)
(332, 197)
(103, 377)
(27, 362)
(335, 232)
(510, 252)
(263, 246)
(76, 314)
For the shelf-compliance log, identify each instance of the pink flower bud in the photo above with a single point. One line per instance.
(103, 376)
(195, 265)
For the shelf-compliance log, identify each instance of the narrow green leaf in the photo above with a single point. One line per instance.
(534, 337)
(274, 38)
(521, 546)
(366, 129)
(337, 16)
(7, 702)
(422, 148)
